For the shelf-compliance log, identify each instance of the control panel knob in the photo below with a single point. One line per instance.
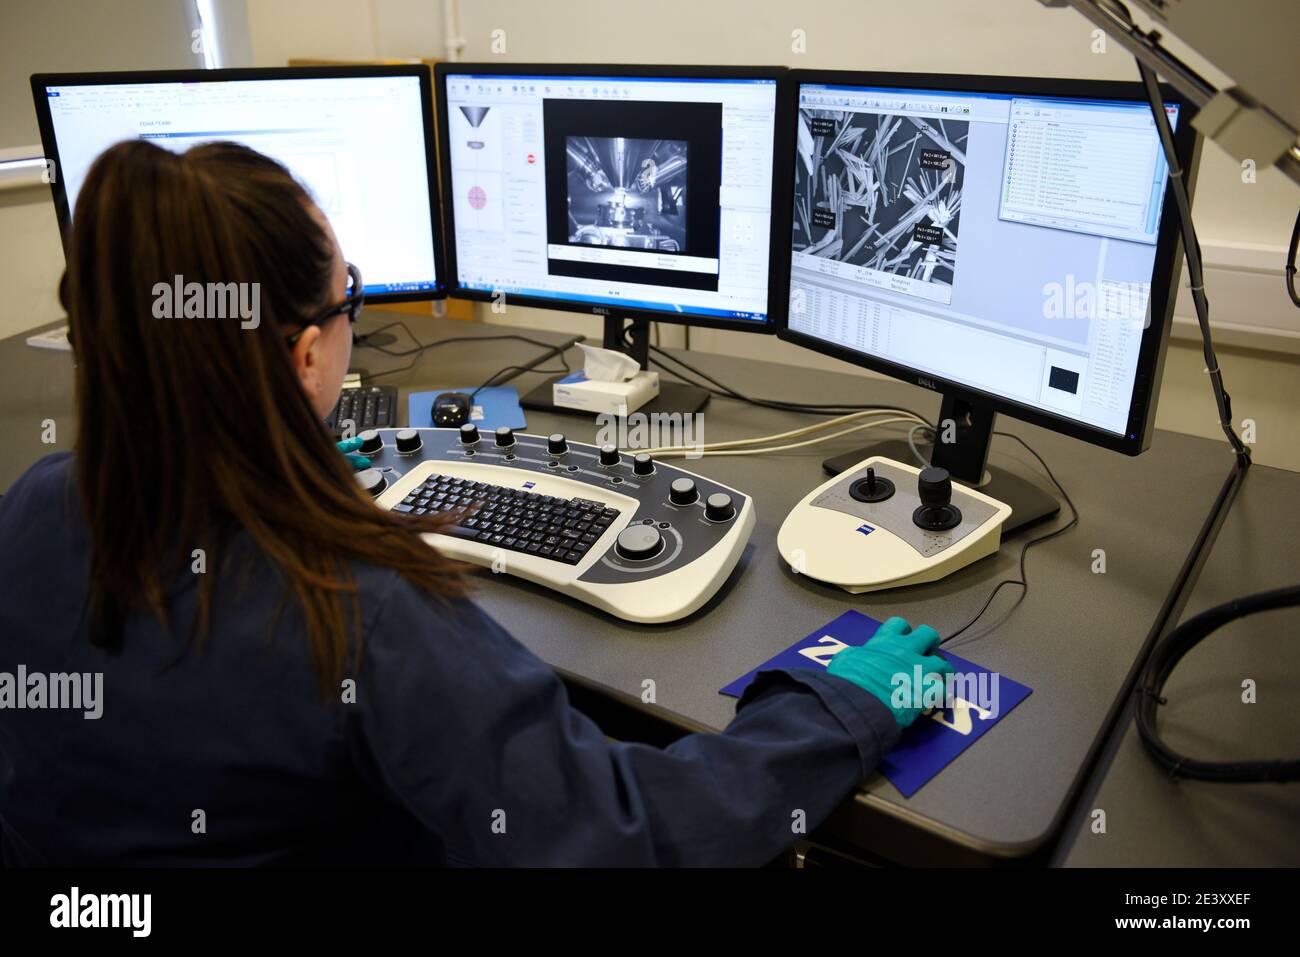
(408, 441)
(372, 482)
(718, 507)
(609, 455)
(934, 489)
(637, 543)
(371, 443)
(468, 433)
(682, 492)
(557, 444)
(505, 437)
(643, 464)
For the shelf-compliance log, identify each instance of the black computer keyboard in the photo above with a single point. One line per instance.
(368, 407)
(561, 529)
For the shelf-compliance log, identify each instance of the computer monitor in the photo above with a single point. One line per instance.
(631, 192)
(1005, 241)
(359, 138)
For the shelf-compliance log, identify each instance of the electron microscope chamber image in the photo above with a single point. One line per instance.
(629, 193)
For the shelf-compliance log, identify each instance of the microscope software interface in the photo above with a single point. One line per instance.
(356, 143)
(999, 241)
(643, 192)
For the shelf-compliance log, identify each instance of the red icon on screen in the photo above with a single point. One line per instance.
(532, 158)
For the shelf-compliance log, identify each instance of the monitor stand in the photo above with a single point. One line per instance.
(631, 336)
(966, 459)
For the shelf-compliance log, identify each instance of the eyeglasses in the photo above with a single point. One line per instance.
(351, 305)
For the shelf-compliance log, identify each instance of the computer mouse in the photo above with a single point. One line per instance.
(451, 410)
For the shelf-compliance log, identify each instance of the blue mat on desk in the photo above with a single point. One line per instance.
(492, 408)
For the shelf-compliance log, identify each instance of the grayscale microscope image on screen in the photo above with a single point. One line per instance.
(881, 191)
(627, 192)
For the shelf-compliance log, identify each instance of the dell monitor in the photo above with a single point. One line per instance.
(635, 193)
(1006, 242)
(358, 138)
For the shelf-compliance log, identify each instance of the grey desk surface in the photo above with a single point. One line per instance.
(1073, 638)
(1153, 820)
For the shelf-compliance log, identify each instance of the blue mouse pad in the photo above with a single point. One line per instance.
(492, 408)
(936, 738)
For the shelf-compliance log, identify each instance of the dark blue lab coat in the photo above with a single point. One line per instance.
(461, 746)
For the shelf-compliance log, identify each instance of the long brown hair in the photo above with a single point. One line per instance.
(190, 429)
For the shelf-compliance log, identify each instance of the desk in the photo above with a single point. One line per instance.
(1074, 638)
(1155, 821)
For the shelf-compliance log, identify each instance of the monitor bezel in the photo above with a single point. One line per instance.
(1165, 274)
(777, 286)
(41, 81)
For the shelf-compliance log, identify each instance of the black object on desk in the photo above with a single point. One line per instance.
(451, 410)
(366, 407)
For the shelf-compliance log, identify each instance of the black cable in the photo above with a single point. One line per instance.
(1023, 580)
(494, 379)
(1165, 658)
(780, 404)
(1169, 650)
(1192, 253)
(1290, 261)
(422, 347)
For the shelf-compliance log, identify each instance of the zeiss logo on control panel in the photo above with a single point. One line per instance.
(865, 529)
(529, 484)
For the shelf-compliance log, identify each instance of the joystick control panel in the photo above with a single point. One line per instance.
(884, 524)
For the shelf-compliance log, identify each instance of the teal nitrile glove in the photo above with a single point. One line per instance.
(349, 449)
(885, 666)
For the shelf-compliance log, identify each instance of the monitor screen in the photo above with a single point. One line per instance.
(357, 143)
(628, 192)
(1001, 242)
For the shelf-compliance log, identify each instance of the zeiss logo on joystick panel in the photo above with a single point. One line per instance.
(865, 529)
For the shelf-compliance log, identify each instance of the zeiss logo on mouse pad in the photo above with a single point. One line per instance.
(976, 699)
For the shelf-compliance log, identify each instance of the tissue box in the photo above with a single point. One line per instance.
(576, 391)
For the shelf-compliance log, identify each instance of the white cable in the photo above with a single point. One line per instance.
(792, 433)
(687, 450)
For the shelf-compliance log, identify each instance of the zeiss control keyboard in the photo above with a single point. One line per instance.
(642, 540)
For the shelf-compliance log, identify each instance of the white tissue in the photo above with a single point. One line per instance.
(607, 365)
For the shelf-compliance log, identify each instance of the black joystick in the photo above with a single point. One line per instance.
(505, 437)
(873, 488)
(934, 489)
(557, 444)
(371, 443)
(609, 455)
(468, 434)
(643, 464)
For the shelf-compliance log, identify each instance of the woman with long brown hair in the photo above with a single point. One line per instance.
(289, 673)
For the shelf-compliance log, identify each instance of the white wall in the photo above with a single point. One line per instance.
(55, 36)
(344, 29)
